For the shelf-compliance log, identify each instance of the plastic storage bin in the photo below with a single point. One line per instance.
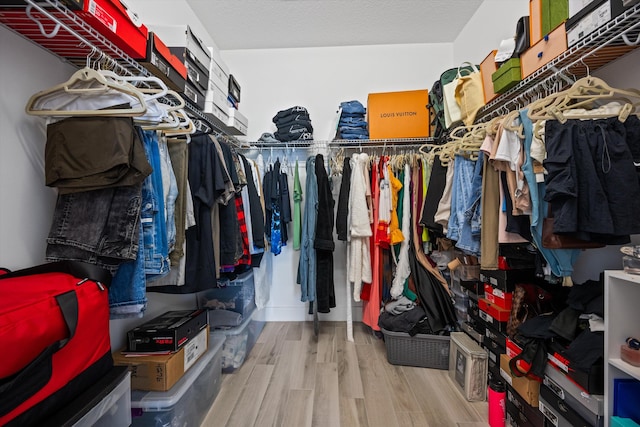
(106, 403)
(238, 295)
(189, 400)
(421, 350)
(239, 342)
(468, 367)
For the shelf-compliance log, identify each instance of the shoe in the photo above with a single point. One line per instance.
(633, 251)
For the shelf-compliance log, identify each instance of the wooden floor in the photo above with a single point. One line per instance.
(293, 378)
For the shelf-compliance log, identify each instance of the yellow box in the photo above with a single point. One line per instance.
(398, 114)
(161, 372)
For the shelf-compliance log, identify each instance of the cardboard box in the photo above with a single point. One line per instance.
(498, 313)
(507, 76)
(116, 22)
(487, 67)
(522, 414)
(498, 297)
(167, 332)
(161, 372)
(398, 114)
(528, 389)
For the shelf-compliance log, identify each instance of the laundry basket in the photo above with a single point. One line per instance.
(421, 350)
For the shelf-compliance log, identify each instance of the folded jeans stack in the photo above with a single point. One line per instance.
(352, 124)
(294, 124)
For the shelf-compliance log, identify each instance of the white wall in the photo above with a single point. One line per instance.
(320, 78)
(495, 20)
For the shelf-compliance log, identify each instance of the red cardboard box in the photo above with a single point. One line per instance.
(498, 297)
(498, 313)
(121, 26)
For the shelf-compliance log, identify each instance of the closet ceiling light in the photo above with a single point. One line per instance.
(272, 24)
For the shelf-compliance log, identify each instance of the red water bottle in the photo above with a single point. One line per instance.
(497, 403)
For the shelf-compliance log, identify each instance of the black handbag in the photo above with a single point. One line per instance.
(521, 37)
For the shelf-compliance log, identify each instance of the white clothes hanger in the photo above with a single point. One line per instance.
(85, 82)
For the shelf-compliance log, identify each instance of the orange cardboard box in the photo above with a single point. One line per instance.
(398, 114)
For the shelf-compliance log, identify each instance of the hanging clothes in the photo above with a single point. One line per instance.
(342, 212)
(490, 210)
(323, 241)
(371, 295)
(560, 261)
(297, 214)
(306, 276)
(359, 226)
(402, 269)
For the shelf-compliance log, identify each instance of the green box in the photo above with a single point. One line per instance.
(507, 76)
(554, 13)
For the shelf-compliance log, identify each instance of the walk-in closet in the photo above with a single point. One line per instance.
(320, 213)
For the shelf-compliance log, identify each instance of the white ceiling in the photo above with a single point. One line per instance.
(265, 24)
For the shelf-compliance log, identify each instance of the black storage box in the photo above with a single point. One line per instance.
(197, 73)
(554, 409)
(506, 280)
(520, 413)
(234, 88)
(164, 65)
(168, 332)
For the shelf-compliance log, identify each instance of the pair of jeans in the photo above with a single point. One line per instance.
(463, 174)
(469, 236)
(170, 193)
(127, 293)
(560, 261)
(292, 111)
(90, 153)
(351, 107)
(99, 227)
(152, 213)
(352, 121)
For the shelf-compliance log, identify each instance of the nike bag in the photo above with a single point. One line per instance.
(54, 329)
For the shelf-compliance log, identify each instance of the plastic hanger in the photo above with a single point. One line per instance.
(86, 82)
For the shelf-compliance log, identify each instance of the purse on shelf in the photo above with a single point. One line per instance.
(469, 94)
(551, 240)
(522, 37)
(452, 110)
(528, 301)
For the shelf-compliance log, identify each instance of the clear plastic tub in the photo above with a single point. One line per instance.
(189, 400)
(239, 342)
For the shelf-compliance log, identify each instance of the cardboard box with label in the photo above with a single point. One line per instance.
(161, 372)
(398, 114)
(527, 388)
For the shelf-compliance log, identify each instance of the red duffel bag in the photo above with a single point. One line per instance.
(54, 330)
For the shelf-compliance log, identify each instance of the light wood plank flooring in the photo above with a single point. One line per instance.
(293, 378)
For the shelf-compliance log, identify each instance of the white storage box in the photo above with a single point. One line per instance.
(468, 367)
(189, 400)
(218, 72)
(239, 342)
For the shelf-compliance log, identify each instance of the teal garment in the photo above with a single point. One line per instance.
(297, 215)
